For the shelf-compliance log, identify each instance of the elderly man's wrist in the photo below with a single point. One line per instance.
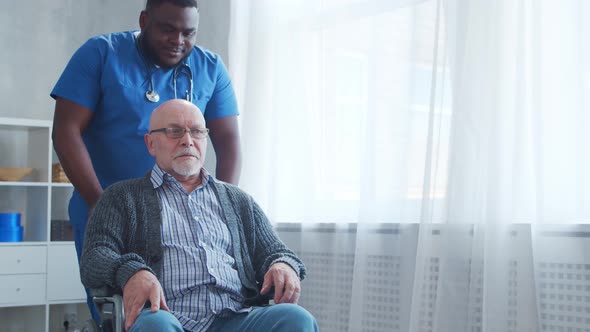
(293, 263)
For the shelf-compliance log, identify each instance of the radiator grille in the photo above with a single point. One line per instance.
(372, 287)
(564, 296)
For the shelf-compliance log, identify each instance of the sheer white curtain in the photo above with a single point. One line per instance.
(461, 123)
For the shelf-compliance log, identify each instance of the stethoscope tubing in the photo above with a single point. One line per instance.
(152, 95)
(177, 72)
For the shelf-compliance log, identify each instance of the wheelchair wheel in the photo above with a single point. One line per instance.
(108, 325)
(90, 326)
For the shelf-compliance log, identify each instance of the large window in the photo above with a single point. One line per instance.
(356, 112)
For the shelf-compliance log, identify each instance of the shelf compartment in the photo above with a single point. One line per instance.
(31, 203)
(58, 313)
(26, 147)
(60, 227)
(24, 318)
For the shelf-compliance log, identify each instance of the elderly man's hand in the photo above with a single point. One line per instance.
(286, 283)
(140, 288)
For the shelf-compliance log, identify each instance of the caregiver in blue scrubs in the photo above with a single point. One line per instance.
(111, 85)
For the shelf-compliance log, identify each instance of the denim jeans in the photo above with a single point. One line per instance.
(278, 318)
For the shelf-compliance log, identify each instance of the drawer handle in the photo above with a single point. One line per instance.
(18, 260)
(18, 289)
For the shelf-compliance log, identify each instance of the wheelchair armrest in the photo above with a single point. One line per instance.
(111, 311)
(104, 291)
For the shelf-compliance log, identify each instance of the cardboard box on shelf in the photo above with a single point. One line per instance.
(58, 174)
(61, 230)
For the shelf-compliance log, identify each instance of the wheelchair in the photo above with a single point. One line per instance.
(112, 315)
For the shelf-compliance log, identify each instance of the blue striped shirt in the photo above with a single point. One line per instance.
(199, 275)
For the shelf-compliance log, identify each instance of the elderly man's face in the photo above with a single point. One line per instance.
(184, 156)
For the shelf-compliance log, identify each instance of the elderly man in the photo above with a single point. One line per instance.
(189, 252)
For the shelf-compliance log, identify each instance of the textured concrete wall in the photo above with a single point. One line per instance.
(39, 36)
(214, 26)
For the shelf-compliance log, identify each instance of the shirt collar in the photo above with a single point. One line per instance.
(158, 177)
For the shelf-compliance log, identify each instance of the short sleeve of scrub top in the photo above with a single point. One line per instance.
(80, 80)
(213, 91)
(223, 98)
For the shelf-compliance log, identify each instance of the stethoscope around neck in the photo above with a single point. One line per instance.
(153, 96)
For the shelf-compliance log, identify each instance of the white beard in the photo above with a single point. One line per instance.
(187, 168)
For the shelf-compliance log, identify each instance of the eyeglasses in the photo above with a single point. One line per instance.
(180, 132)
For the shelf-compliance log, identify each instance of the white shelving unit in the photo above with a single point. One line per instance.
(39, 278)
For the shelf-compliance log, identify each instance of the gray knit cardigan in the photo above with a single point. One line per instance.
(123, 236)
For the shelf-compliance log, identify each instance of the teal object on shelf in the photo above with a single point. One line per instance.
(10, 228)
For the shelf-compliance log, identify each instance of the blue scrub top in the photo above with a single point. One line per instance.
(109, 76)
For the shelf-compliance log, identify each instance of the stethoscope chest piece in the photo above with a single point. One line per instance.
(152, 96)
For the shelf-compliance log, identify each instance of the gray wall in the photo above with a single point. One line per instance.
(214, 26)
(40, 36)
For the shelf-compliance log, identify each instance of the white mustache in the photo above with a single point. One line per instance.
(187, 153)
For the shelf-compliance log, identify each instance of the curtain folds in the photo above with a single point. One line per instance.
(455, 129)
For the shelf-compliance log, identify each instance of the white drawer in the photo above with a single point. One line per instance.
(23, 289)
(26, 259)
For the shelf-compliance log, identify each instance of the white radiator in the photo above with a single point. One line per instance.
(553, 294)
